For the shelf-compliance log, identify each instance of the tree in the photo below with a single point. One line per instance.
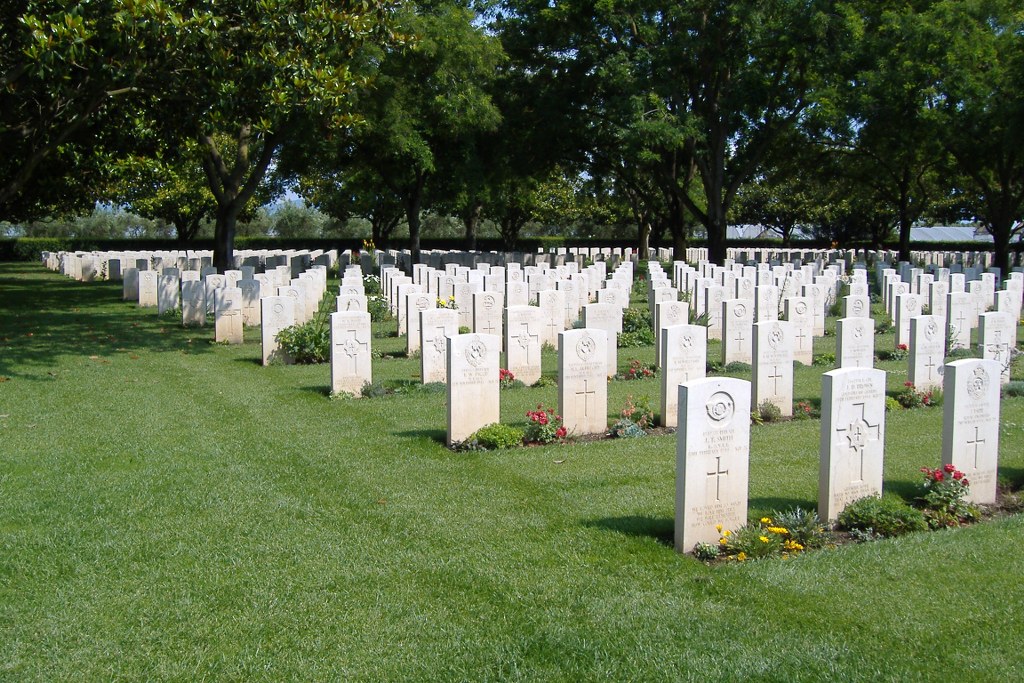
(430, 101)
(257, 73)
(66, 70)
(979, 108)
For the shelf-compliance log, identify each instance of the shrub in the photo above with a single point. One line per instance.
(1014, 389)
(507, 380)
(638, 370)
(705, 552)
(805, 527)
(766, 538)
(738, 367)
(544, 382)
(377, 307)
(639, 411)
(943, 499)
(910, 397)
(545, 426)
(371, 285)
(899, 353)
(892, 405)
(768, 411)
(308, 343)
(624, 428)
(497, 436)
(636, 329)
(826, 359)
(884, 516)
(804, 410)
(374, 390)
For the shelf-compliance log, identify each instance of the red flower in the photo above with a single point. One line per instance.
(908, 384)
(958, 475)
(560, 432)
(938, 476)
(948, 468)
(964, 482)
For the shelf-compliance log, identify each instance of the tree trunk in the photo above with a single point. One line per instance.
(224, 237)
(412, 217)
(644, 246)
(717, 243)
(472, 221)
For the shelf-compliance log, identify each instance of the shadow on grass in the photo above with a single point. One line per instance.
(438, 435)
(47, 316)
(661, 529)
(1014, 474)
(780, 504)
(907, 490)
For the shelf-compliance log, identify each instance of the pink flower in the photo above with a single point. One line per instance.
(948, 468)
(958, 475)
(938, 476)
(560, 432)
(965, 482)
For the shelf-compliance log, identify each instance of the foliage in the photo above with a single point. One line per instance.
(943, 501)
(767, 412)
(827, 359)
(892, 405)
(804, 410)
(885, 516)
(705, 552)
(448, 303)
(378, 308)
(755, 541)
(910, 397)
(639, 411)
(543, 381)
(371, 285)
(1014, 388)
(375, 389)
(497, 436)
(638, 370)
(899, 353)
(624, 428)
(507, 380)
(636, 328)
(804, 526)
(544, 426)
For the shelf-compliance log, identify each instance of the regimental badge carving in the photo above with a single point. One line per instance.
(931, 328)
(585, 348)
(476, 352)
(740, 310)
(910, 303)
(801, 308)
(686, 341)
(858, 332)
(422, 303)
(978, 383)
(720, 408)
(672, 314)
(488, 302)
(858, 306)
(776, 337)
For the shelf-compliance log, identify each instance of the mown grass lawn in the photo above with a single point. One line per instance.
(169, 509)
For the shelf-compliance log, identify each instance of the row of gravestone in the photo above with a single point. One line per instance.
(713, 444)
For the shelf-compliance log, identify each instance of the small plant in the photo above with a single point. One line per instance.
(624, 428)
(804, 410)
(768, 411)
(545, 426)
(910, 397)
(374, 390)
(705, 552)
(638, 370)
(943, 499)
(506, 379)
(636, 329)
(371, 285)
(892, 405)
(310, 342)
(1013, 389)
(639, 411)
(377, 307)
(544, 382)
(738, 367)
(885, 516)
(497, 436)
(899, 353)
(464, 329)
(766, 538)
(448, 303)
(825, 359)
(805, 527)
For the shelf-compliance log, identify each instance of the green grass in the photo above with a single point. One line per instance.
(169, 509)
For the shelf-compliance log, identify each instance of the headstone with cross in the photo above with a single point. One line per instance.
(684, 358)
(712, 459)
(228, 315)
(351, 364)
(737, 326)
(852, 438)
(582, 380)
(905, 307)
(487, 312)
(773, 365)
(996, 338)
(436, 324)
(552, 307)
(927, 350)
(523, 334)
(801, 318)
(414, 305)
(193, 303)
(959, 310)
(472, 379)
(970, 424)
(668, 314)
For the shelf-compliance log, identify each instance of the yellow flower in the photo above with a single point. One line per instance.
(778, 530)
(764, 539)
(723, 541)
(726, 533)
(718, 528)
(792, 545)
(741, 557)
(766, 520)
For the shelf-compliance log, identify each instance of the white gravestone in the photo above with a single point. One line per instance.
(855, 342)
(852, 438)
(436, 324)
(712, 459)
(996, 338)
(927, 350)
(552, 308)
(905, 307)
(607, 317)
(668, 314)
(351, 361)
(487, 312)
(801, 320)
(278, 312)
(970, 424)
(228, 315)
(524, 327)
(168, 296)
(583, 381)
(959, 309)
(473, 390)
(250, 301)
(773, 365)
(148, 288)
(737, 328)
(193, 302)
(414, 305)
(684, 358)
